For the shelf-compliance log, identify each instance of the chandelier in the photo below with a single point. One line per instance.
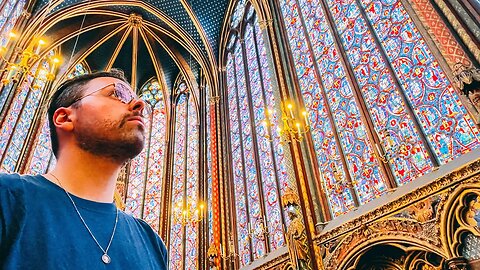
(22, 62)
(188, 211)
(21, 57)
(294, 124)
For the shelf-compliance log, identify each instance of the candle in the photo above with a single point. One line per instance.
(12, 72)
(378, 149)
(289, 106)
(11, 36)
(306, 118)
(40, 43)
(55, 62)
(52, 69)
(298, 128)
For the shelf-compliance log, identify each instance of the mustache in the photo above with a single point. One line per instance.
(126, 116)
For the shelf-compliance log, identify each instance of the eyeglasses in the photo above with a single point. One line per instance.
(121, 92)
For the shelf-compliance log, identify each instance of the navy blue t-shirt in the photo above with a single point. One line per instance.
(40, 229)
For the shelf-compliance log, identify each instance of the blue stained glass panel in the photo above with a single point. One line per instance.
(153, 95)
(192, 184)
(8, 18)
(178, 186)
(20, 117)
(237, 163)
(42, 153)
(448, 127)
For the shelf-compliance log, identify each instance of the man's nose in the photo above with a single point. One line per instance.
(140, 105)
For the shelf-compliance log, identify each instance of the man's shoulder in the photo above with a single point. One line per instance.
(13, 180)
(145, 228)
(140, 223)
(20, 184)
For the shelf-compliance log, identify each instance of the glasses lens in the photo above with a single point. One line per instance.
(123, 93)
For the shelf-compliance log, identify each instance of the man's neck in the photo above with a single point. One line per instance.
(86, 176)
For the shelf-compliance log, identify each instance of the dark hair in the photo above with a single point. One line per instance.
(70, 90)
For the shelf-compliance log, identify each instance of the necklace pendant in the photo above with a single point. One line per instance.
(106, 259)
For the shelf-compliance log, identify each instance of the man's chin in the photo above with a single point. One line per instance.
(136, 147)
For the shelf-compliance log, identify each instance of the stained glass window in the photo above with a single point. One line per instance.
(20, 116)
(146, 176)
(9, 14)
(185, 186)
(259, 172)
(43, 158)
(78, 69)
(409, 102)
(238, 13)
(209, 167)
(10, 11)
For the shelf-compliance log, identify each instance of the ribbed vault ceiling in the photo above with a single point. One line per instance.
(167, 41)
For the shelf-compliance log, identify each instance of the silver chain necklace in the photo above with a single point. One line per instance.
(105, 258)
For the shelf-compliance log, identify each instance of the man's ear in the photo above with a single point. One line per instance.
(62, 118)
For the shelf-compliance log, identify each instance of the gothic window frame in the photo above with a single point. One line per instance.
(249, 249)
(187, 235)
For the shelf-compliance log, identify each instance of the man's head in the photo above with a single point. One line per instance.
(100, 113)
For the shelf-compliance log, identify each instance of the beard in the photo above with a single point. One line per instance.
(111, 139)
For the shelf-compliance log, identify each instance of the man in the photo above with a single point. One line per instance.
(66, 219)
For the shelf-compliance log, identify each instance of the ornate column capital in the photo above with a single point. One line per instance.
(215, 99)
(264, 24)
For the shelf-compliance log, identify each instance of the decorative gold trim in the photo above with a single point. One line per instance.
(340, 253)
(453, 222)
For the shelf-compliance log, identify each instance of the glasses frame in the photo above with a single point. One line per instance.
(132, 97)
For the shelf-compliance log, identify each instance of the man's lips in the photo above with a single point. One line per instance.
(136, 118)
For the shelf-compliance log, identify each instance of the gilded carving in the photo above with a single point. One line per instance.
(472, 214)
(422, 211)
(417, 218)
(296, 235)
(460, 214)
(457, 263)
